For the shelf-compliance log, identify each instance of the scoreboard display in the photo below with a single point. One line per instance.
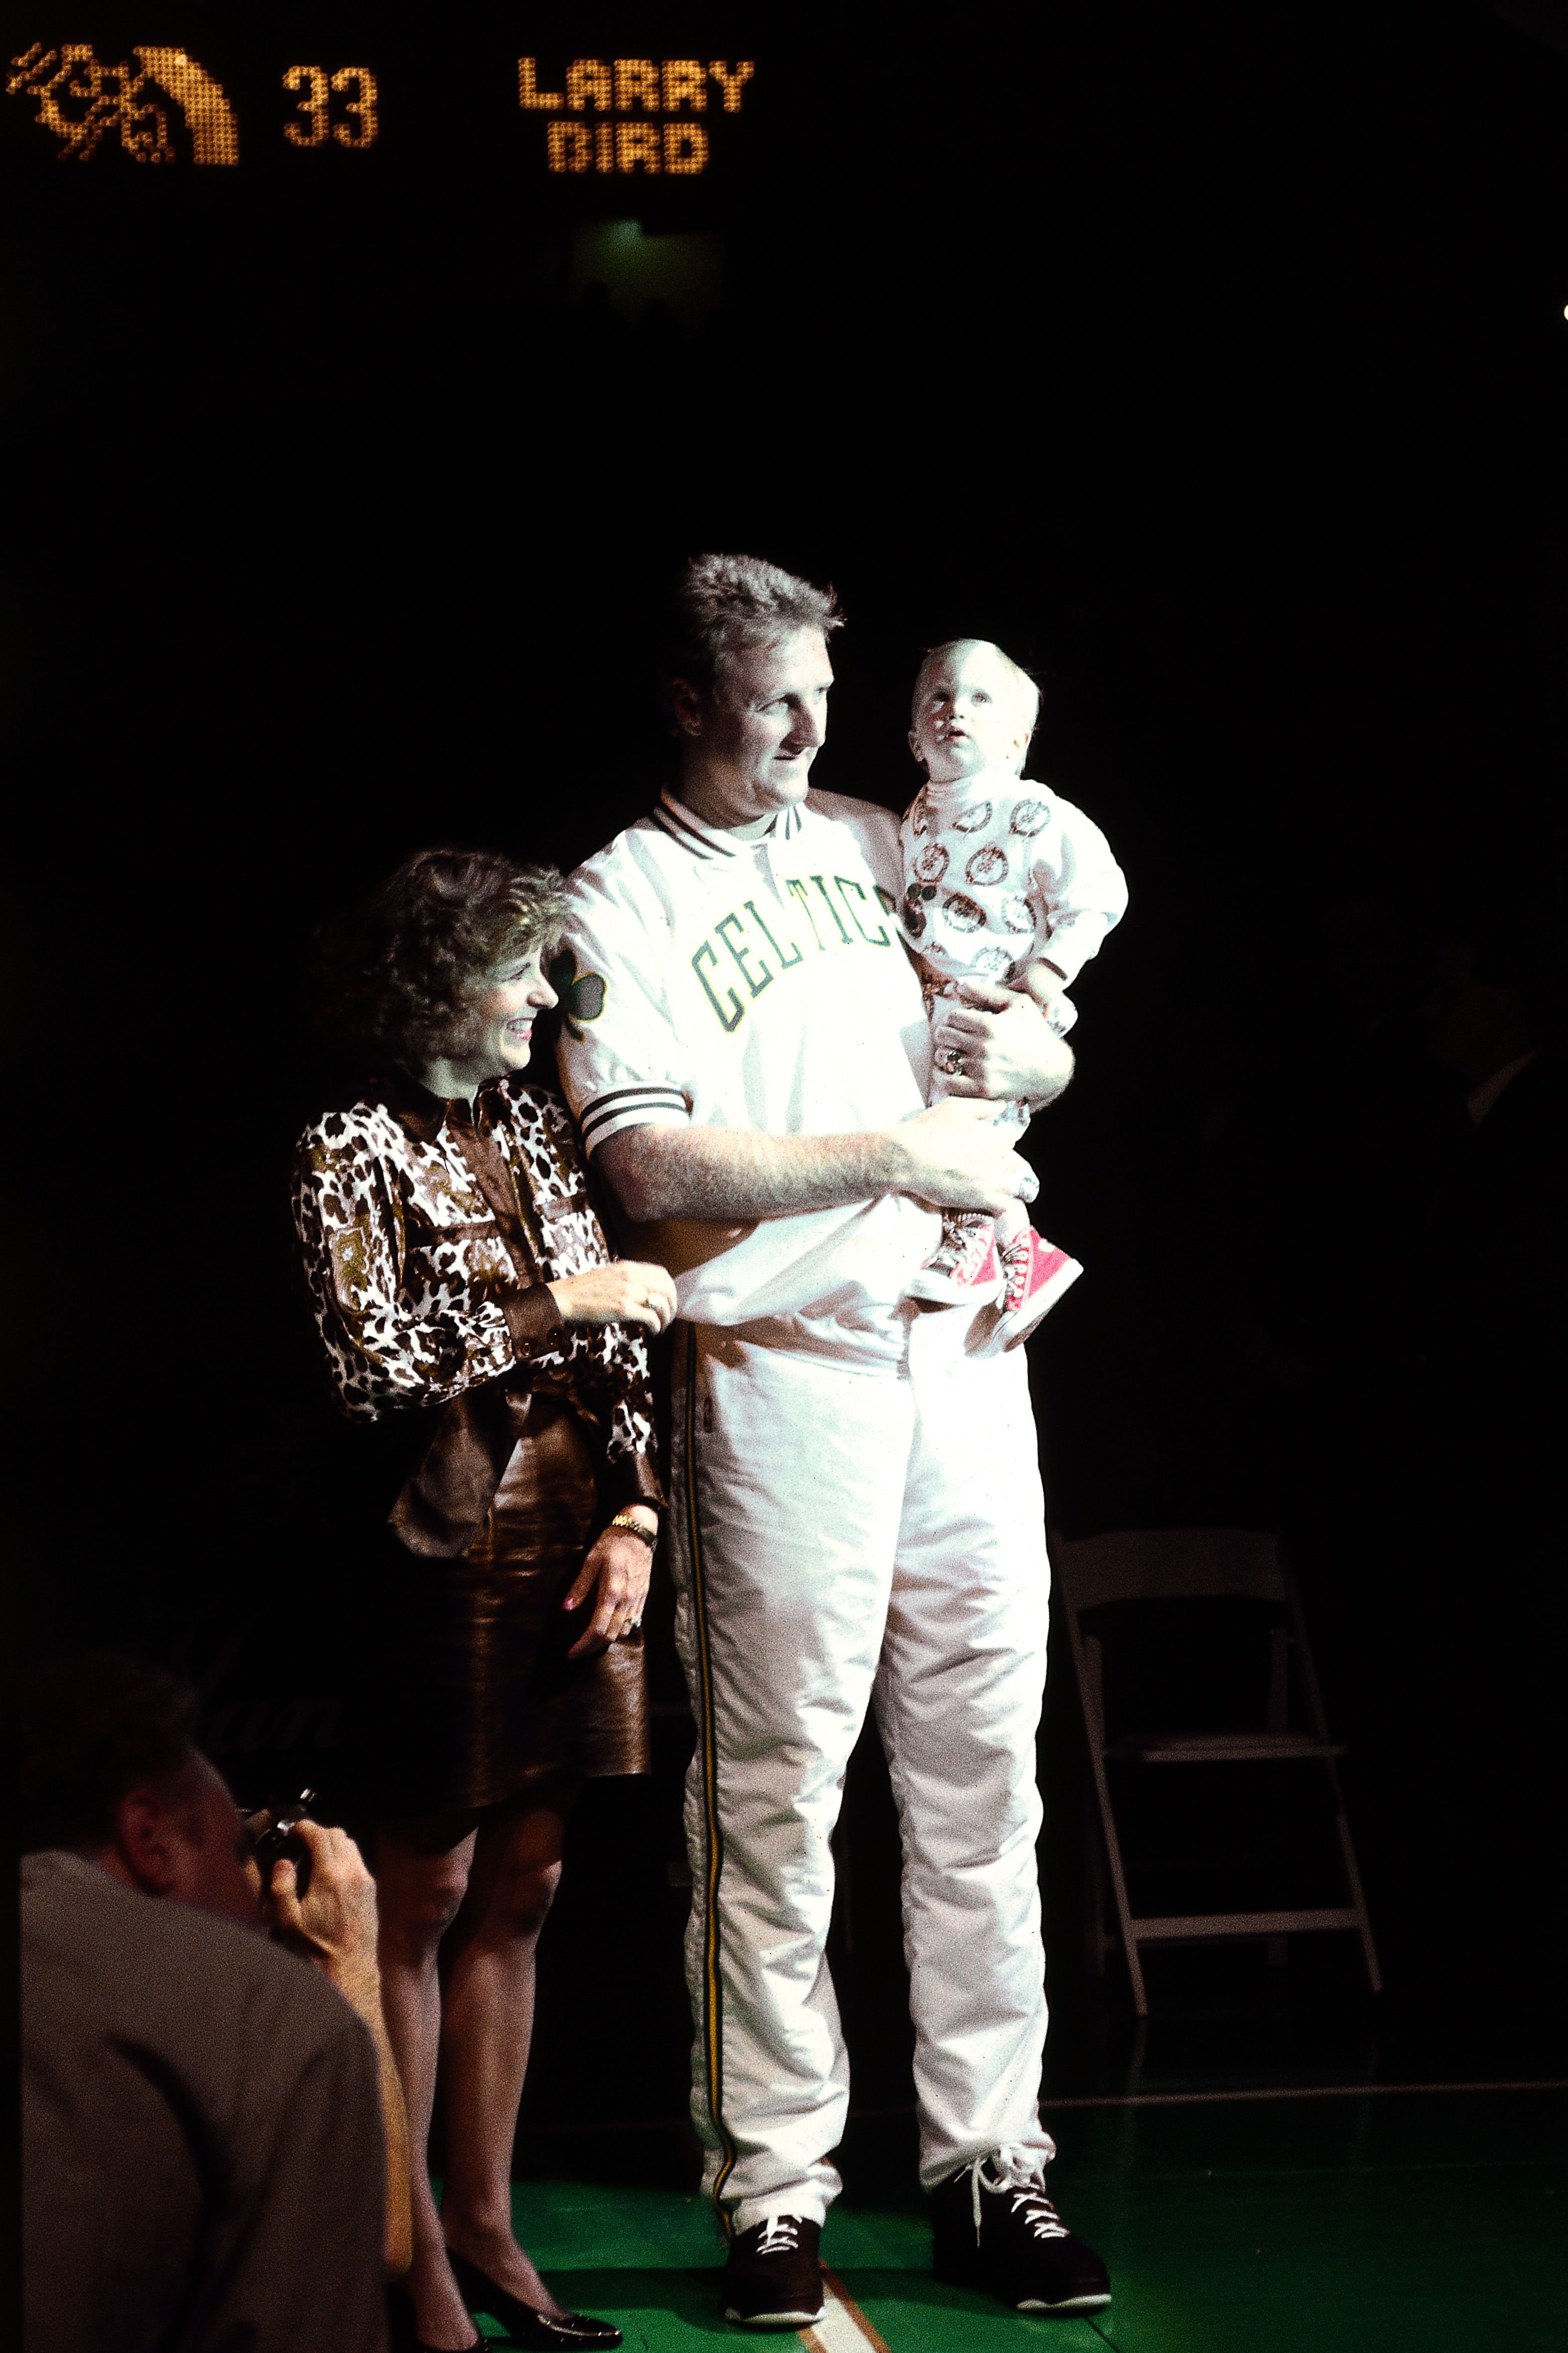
(162, 178)
(161, 105)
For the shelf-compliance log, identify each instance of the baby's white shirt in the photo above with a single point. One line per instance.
(999, 871)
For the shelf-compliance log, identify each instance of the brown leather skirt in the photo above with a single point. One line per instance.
(476, 1701)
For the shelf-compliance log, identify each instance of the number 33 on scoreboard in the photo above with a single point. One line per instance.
(313, 84)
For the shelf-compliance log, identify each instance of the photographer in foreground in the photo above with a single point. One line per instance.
(205, 2159)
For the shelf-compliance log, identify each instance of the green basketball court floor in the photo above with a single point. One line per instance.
(1407, 2222)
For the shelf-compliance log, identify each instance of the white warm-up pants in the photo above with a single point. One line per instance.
(842, 1537)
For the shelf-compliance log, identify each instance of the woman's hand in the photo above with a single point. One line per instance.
(626, 1292)
(619, 1564)
(1007, 1050)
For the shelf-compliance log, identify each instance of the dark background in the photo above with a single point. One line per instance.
(1212, 360)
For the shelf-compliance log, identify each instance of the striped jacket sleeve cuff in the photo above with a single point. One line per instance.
(630, 1107)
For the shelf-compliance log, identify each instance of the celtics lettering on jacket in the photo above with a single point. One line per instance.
(745, 951)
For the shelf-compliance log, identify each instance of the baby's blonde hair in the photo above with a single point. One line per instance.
(1027, 693)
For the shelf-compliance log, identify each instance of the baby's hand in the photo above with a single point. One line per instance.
(1044, 984)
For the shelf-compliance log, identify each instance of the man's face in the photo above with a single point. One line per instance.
(748, 747)
(969, 716)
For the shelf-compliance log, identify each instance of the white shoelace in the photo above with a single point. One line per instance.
(1010, 2173)
(780, 2235)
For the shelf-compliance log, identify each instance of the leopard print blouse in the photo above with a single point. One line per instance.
(410, 1278)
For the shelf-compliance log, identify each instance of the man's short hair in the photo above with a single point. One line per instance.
(722, 604)
(94, 1729)
(1027, 688)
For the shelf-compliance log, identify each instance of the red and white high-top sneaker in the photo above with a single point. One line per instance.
(1037, 1273)
(965, 1266)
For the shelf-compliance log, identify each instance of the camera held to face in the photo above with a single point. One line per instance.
(273, 1839)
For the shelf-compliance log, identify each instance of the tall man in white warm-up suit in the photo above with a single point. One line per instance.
(857, 1504)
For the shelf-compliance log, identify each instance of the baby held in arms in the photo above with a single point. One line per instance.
(1005, 884)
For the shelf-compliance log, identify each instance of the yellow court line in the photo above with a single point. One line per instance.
(844, 2327)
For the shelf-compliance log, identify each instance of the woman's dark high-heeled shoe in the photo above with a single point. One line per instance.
(533, 2330)
(403, 2326)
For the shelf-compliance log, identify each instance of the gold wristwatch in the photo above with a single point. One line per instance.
(635, 1528)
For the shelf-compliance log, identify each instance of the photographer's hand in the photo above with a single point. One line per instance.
(335, 1924)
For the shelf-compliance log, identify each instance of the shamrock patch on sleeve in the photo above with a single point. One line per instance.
(582, 994)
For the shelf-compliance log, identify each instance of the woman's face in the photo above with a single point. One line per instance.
(498, 1034)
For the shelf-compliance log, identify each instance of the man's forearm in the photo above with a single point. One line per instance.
(733, 1173)
(359, 1982)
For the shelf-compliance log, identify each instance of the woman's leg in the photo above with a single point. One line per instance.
(487, 2024)
(421, 1876)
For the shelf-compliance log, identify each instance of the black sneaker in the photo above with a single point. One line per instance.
(773, 2279)
(996, 2229)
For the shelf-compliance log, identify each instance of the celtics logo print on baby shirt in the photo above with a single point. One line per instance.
(987, 866)
(933, 862)
(1017, 914)
(972, 820)
(582, 994)
(1029, 816)
(962, 913)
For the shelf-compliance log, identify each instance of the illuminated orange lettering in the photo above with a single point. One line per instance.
(732, 84)
(528, 92)
(361, 109)
(605, 147)
(685, 84)
(637, 143)
(571, 146)
(312, 131)
(588, 77)
(636, 84)
(685, 147)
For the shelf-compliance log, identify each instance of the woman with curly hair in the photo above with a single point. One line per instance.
(464, 1292)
